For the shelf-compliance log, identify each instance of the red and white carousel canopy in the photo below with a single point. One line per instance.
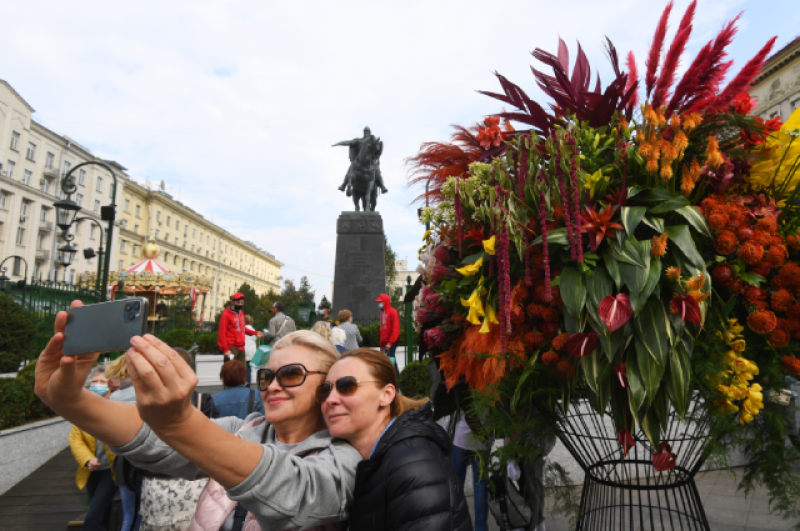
(149, 264)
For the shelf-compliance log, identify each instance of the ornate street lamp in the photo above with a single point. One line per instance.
(66, 253)
(4, 279)
(66, 210)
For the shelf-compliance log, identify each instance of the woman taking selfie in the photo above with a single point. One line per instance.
(406, 481)
(258, 462)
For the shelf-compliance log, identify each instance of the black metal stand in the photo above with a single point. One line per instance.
(627, 492)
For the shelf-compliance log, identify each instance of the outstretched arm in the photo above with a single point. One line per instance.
(343, 143)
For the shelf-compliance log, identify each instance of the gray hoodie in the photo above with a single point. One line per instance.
(284, 491)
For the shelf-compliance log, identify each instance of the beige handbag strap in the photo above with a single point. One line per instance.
(199, 401)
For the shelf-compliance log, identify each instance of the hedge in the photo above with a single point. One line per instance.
(18, 333)
(180, 338)
(18, 403)
(414, 380)
(207, 343)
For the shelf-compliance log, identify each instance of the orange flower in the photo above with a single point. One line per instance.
(792, 365)
(778, 338)
(680, 142)
(533, 339)
(666, 171)
(659, 246)
(762, 321)
(699, 296)
(713, 155)
(560, 341)
(565, 369)
(768, 224)
(723, 274)
(645, 149)
(777, 255)
(726, 242)
(652, 165)
(794, 241)
(781, 300)
(789, 275)
(675, 122)
(674, 274)
(718, 220)
(754, 294)
(696, 283)
(691, 121)
(751, 253)
(550, 358)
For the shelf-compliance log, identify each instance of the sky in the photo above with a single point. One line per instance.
(236, 104)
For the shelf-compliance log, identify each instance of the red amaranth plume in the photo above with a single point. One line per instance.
(633, 77)
(667, 76)
(436, 161)
(743, 80)
(654, 56)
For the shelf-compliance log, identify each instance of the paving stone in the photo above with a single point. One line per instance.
(726, 516)
(769, 521)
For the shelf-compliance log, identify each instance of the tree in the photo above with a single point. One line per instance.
(305, 293)
(18, 330)
(289, 298)
(324, 302)
(390, 258)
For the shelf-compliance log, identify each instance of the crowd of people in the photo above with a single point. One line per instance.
(322, 440)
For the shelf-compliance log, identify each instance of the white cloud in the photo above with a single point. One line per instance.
(236, 104)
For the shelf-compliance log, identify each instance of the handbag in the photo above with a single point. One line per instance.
(782, 397)
(261, 357)
(507, 504)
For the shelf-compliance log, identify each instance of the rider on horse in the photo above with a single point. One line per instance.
(355, 146)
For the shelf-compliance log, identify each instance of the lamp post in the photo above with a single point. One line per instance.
(89, 253)
(66, 253)
(4, 278)
(66, 210)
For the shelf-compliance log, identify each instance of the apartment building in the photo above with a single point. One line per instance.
(188, 242)
(777, 89)
(33, 160)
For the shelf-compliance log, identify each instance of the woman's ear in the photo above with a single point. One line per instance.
(387, 395)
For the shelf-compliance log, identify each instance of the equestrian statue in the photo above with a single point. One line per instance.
(363, 178)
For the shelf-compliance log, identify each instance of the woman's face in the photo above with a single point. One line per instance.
(348, 416)
(100, 378)
(285, 404)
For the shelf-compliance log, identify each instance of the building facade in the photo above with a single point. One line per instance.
(777, 89)
(403, 274)
(33, 159)
(188, 242)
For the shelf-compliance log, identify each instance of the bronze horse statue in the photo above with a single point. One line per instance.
(363, 178)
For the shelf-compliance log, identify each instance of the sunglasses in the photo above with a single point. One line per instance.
(345, 386)
(292, 375)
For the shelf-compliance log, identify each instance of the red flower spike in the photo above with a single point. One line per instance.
(621, 373)
(688, 308)
(626, 440)
(579, 345)
(664, 459)
(615, 311)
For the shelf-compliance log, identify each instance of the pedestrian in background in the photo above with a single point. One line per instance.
(250, 346)
(95, 461)
(236, 400)
(353, 339)
(281, 325)
(390, 327)
(232, 330)
(324, 329)
(325, 314)
(466, 449)
(338, 336)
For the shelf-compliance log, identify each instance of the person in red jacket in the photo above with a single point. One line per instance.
(390, 326)
(232, 330)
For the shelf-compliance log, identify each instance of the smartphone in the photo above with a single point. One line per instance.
(105, 326)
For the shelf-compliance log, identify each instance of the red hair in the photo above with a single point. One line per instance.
(233, 373)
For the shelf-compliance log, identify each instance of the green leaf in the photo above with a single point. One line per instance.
(626, 253)
(635, 190)
(655, 195)
(598, 285)
(471, 259)
(651, 427)
(651, 371)
(655, 223)
(652, 343)
(612, 266)
(680, 236)
(635, 276)
(695, 219)
(631, 217)
(554, 237)
(638, 301)
(637, 392)
(598, 370)
(669, 205)
(751, 278)
(573, 291)
(677, 379)
(619, 407)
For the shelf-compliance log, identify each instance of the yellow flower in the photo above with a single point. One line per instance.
(752, 404)
(779, 146)
(490, 318)
(738, 345)
(471, 269)
(475, 306)
(488, 245)
(592, 180)
(726, 407)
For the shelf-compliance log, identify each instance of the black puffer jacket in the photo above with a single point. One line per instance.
(408, 483)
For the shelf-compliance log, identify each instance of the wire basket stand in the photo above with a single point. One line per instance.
(627, 493)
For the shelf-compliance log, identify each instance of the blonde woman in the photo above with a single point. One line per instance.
(259, 462)
(323, 329)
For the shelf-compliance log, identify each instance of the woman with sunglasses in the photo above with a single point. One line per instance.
(405, 481)
(263, 463)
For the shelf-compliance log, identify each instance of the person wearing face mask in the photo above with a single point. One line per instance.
(390, 326)
(232, 329)
(95, 460)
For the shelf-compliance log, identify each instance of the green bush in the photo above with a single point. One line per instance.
(180, 338)
(370, 335)
(414, 380)
(18, 404)
(207, 343)
(18, 334)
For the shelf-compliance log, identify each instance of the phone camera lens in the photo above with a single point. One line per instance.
(128, 307)
(136, 305)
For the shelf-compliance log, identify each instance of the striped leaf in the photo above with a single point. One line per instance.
(631, 217)
(695, 219)
(573, 291)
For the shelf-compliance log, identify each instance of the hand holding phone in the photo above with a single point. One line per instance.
(105, 327)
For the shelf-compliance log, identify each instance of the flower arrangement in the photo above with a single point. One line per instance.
(610, 249)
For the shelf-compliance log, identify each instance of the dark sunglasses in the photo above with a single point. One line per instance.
(345, 386)
(292, 375)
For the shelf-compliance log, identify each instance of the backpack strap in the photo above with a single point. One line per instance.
(250, 402)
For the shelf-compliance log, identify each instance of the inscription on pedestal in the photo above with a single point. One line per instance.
(360, 274)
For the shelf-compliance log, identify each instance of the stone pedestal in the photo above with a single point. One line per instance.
(360, 274)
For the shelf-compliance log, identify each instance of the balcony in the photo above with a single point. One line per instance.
(42, 255)
(45, 226)
(52, 172)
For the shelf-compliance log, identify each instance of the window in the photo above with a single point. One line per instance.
(23, 211)
(17, 266)
(775, 114)
(26, 177)
(192, 248)
(167, 221)
(82, 178)
(158, 215)
(121, 265)
(177, 224)
(4, 200)
(184, 244)
(166, 237)
(176, 240)
(193, 234)
(185, 230)
(79, 199)
(48, 160)
(45, 185)
(796, 103)
(133, 252)
(71, 276)
(127, 205)
(138, 210)
(122, 247)
(175, 261)
(124, 223)
(100, 184)
(31, 150)
(156, 233)
(40, 241)
(96, 206)
(206, 253)
(14, 140)
(91, 232)
(136, 229)
(2, 226)
(10, 170)
(20, 236)
(43, 215)
(37, 267)
(67, 166)
(208, 240)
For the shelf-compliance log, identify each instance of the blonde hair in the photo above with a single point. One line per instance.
(248, 319)
(382, 370)
(322, 328)
(118, 369)
(324, 351)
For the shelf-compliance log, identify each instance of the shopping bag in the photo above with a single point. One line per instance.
(261, 357)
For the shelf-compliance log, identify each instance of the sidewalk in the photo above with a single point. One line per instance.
(726, 509)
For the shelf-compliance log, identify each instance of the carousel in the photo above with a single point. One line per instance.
(157, 283)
